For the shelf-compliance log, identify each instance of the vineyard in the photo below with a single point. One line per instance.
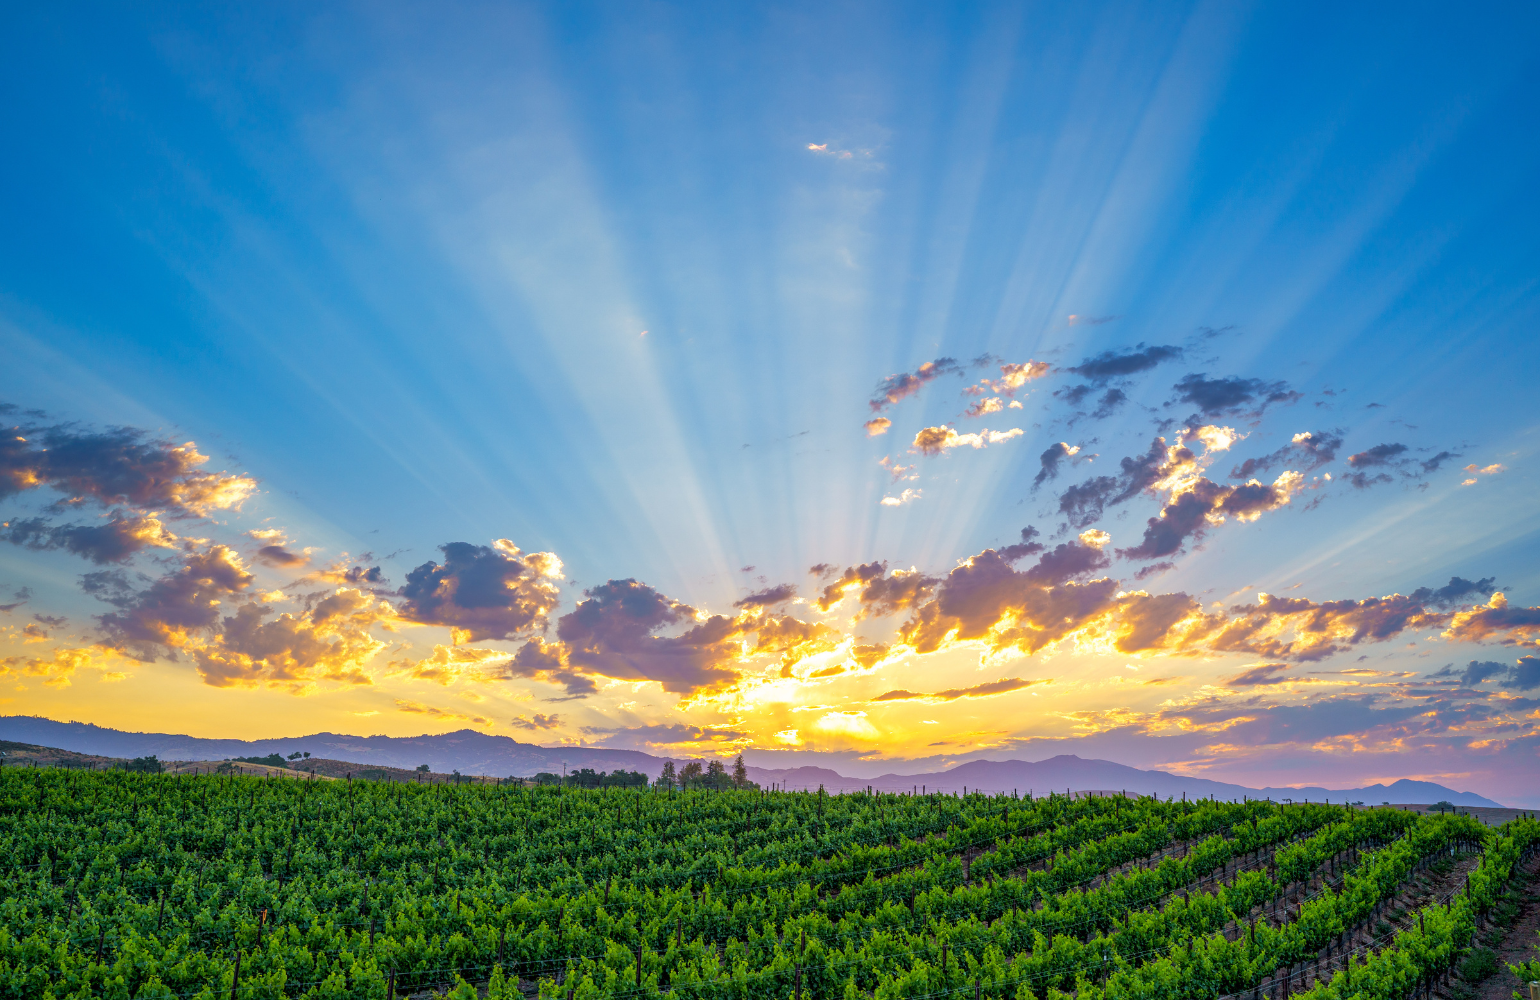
(126, 885)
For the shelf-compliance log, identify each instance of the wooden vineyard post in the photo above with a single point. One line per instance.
(235, 980)
(797, 987)
(162, 913)
(976, 988)
(100, 938)
(390, 988)
(502, 935)
(638, 968)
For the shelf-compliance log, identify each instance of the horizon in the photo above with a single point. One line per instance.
(863, 384)
(766, 766)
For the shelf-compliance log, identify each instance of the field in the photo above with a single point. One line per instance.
(127, 885)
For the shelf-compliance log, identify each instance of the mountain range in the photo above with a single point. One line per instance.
(470, 752)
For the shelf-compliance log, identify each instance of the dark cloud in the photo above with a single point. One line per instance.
(545, 661)
(1028, 546)
(535, 722)
(1153, 569)
(1121, 364)
(1050, 460)
(1189, 515)
(1074, 395)
(877, 591)
(985, 690)
(120, 465)
(1260, 675)
(1042, 604)
(1308, 450)
(823, 570)
(647, 737)
(768, 598)
(115, 540)
(614, 633)
(489, 592)
(1454, 590)
(277, 555)
(169, 614)
(896, 388)
(1231, 396)
(1432, 464)
(1521, 676)
(52, 621)
(1109, 403)
(1380, 454)
(1084, 503)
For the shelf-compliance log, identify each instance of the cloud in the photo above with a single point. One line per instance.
(986, 690)
(536, 722)
(59, 668)
(1194, 509)
(417, 708)
(876, 426)
(542, 661)
(1231, 396)
(1490, 470)
(1261, 675)
(664, 735)
(938, 440)
(116, 540)
(1495, 620)
(900, 473)
(1050, 460)
(448, 664)
(170, 613)
(119, 466)
(768, 598)
(484, 592)
(896, 388)
(277, 555)
(823, 570)
(852, 724)
(1121, 364)
(984, 407)
(1521, 676)
(328, 641)
(1084, 503)
(905, 497)
(1308, 450)
(1013, 376)
(877, 591)
(614, 633)
(1454, 590)
(1432, 464)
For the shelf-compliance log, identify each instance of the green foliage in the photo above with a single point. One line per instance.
(143, 765)
(626, 892)
(1479, 965)
(271, 760)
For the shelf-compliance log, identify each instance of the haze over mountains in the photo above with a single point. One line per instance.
(471, 752)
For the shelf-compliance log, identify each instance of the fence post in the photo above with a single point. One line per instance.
(235, 980)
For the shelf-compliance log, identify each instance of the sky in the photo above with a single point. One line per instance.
(883, 386)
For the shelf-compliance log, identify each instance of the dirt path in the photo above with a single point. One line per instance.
(1519, 942)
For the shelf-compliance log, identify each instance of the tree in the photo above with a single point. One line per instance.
(148, 765)
(716, 774)
(296, 755)
(307, 754)
(1443, 807)
(740, 773)
(421, 767)
(691, 773)
(669, 778)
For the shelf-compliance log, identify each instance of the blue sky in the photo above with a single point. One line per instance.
(620, 283)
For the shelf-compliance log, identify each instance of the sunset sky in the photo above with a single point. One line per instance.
(876, 385)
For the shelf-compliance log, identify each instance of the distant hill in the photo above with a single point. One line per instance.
(473, 753)
(1068, 772)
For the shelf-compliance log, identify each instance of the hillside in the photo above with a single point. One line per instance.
(473, 753)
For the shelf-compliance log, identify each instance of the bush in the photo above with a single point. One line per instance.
(271, 760)
(1479, 965)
